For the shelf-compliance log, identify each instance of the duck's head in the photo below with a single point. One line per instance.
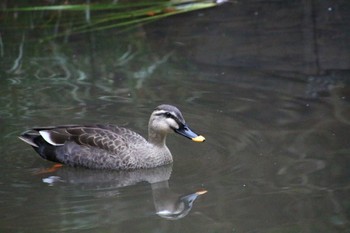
(166, 119)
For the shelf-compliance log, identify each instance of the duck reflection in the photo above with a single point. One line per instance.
(168, 205)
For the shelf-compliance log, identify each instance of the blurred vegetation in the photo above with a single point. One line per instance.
(52, 50)
(61, 53)
(67, 17)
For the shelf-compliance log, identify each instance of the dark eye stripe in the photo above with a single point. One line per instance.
(166, 114)
(169, 115)
(175, 118)
(159, 114)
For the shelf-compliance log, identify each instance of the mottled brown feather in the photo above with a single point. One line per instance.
(106, 137)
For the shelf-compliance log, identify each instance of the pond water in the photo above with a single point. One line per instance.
(275, 115)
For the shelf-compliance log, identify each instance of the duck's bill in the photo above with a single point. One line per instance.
(188, 133)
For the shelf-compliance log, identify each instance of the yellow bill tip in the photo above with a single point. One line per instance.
(199, 138)
(201, 192)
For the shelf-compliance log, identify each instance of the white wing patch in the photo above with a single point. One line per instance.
(47, 137)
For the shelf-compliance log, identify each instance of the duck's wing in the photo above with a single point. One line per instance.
(107, 137)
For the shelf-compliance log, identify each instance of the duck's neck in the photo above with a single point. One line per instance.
(156, 138)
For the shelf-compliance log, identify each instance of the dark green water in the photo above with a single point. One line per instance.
(275, 117)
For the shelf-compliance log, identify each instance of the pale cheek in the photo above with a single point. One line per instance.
(172, 123)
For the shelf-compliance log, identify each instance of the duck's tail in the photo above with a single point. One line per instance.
(44, 149)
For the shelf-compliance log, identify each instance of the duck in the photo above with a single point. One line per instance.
(109, 146)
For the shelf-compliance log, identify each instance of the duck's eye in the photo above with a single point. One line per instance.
(168, 115)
